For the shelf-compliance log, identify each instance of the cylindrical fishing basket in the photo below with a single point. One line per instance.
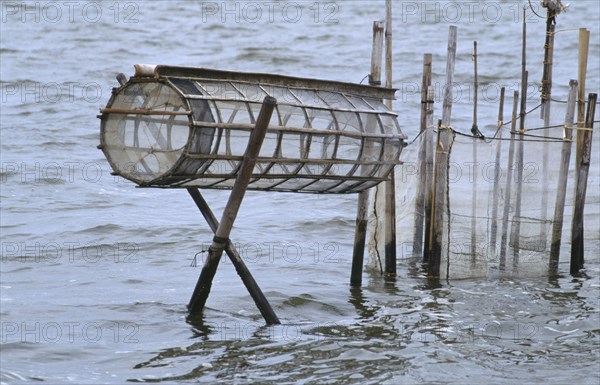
(189, 127)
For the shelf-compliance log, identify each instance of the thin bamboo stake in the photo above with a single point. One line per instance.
(545, 113)
(523, 74)
(516, 224)
(509, 177)
(445, 137)
(497, 173)
(238, 191)
(576, 231)
(577, 240)
(563, 176)
(390, 186)
(548, 62)
(476, 133)
(584, 45)
(360, 231)
(422, 165)
(429, 180)
(255, 292)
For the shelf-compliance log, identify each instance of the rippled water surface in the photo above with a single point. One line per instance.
(96, 274)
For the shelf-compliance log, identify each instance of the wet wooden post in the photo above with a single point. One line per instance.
(584, 45)
(509, 177)
(423, 156)
(255, 292)
(523, 74)
(577, 240)
(476, 133)
(389, 186)
(563, 176)
(497, 173)
(360, 230)
(429, 164)
(515, 233)
(444, 143)
(577, 257)
(221, 238)
(546, 91)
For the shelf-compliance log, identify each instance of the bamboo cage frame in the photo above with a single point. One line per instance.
(324, 136)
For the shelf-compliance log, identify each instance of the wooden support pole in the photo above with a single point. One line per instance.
(444, 143)
(389, 186)
(577, 240)
(495, 196)
(475, 129)
(548, 62)
(360, 230)
(422, 161)
(429, 164)
(509, 178)
(255, 292)
(515, 233)
(563, 176)
(238, 191)
(476, 133)
(584, 45)
(523, 74)
(546, 91)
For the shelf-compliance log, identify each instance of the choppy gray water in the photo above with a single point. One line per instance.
(96, 274)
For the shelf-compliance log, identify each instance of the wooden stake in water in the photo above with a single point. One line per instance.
(577, 226)
(422, 162)
(360, 231)
(523, 74)
(577, 241)
(509, 178)
(476, 133)
(430, 152)
(515, 233)
(390, 186)
(255, 292)
(238, 191)
(445, 137)
(563, 176)
(584, 46)
(497, 174)
(548, 62)
(545, 113)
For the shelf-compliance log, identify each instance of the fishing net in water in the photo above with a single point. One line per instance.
(500, 199)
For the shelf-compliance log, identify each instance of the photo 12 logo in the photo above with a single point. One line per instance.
(69, 11)
(269, 12)
(69, 332)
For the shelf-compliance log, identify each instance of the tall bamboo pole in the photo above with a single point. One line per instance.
(584, 45)
(497, 173)
(509, 178)
(476, 133)
(577, 240)
(563, 176)
(545, 112)
(429, 179)
(390, 186)
(422, 162)
(577, 257)
(360, 231)
(445, 137)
